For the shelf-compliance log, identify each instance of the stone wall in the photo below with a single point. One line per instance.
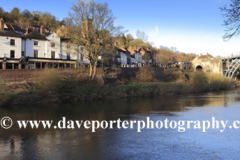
(209, 66)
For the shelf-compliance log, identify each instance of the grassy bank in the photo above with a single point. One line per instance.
(50, 87)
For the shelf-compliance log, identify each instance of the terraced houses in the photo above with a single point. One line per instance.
(32, 48)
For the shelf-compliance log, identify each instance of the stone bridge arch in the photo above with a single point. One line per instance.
(199, 68)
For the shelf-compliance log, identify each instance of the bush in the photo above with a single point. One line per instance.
(218, 82)
(145, 75)
(199, 81)
(176, 75)
(3, 88)
(47, 82)
(238, 76)
(106, 71)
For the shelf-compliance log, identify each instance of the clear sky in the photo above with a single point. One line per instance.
(192, 26)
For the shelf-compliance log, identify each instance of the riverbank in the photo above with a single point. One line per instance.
(52, 88)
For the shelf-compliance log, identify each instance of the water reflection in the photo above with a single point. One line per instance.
(116, 144)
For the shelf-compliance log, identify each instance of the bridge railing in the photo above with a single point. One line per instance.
(232, 55)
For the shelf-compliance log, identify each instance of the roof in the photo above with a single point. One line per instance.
(15, 26)
(9, 33)
(204, 57)
(36, 35)
(121, 49)
(64, 39)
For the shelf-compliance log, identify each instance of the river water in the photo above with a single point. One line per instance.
(117, 143)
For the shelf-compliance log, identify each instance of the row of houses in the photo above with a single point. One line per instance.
(134, 57)
(31, 48)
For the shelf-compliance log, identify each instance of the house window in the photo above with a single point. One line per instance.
(35, 43)
(23, 53)
(53, 45)
(68, 56)
(116, 43)
(12, 42)
(53, 55)
(12, 54)
(35, 53)
(68, 46)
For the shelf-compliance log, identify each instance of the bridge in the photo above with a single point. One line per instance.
(227, 66)
(231, 65)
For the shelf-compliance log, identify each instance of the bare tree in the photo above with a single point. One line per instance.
(142, 36)
(93, 29)
(232, 21)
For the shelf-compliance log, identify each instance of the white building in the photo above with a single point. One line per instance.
(138, 59)
(10, 48)
(35, 50)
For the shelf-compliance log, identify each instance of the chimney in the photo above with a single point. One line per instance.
(42, 30)
(200, 54)
(1, 24)
(28, 30)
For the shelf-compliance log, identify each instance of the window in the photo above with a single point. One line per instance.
(12, 42)
(35, 53)
(53, 55)
(116, 43)
(12, 54)
(52, 44)
(23, 53)
(68, 46)
(35, 43)
(68, 56)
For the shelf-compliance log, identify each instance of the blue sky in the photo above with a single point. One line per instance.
(192, 26)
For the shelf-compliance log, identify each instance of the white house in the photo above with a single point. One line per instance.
(53, 46)
(10, 48)
(138, 59)
(35, 50)
(73, 52)
(123, 59)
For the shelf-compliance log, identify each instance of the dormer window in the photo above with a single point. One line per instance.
(12, 42)
(53, 45)
(35, 43)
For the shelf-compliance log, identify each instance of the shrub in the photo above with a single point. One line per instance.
(176, 75)
(199, 81)
(3, 88)
(218, 82)
(106, 71)
(145, 75)
(238, 76)
(47, 82)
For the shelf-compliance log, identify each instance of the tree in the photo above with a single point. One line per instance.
(26, 13)
(68, 22)
(232, 21)
(15, 13)
(93, 29)
(141, 36)
(1, 12)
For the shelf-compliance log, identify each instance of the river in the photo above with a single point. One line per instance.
(122, 143)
